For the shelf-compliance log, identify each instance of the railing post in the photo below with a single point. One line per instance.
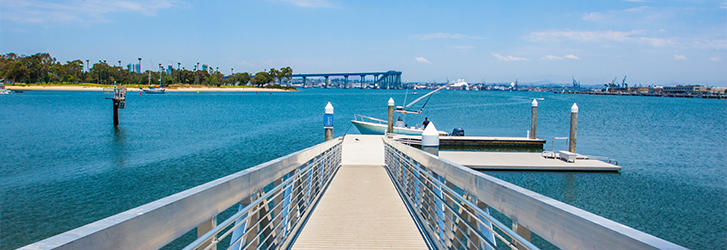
(573, 128)
(205, 227)
(522, 231)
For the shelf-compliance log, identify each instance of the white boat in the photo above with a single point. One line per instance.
(3, 90)
(155, 90)
(375, 126)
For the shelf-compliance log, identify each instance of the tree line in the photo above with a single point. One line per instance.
(42, 68)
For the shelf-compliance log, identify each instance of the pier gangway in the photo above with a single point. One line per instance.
(359, 191)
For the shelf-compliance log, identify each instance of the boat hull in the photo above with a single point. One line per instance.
(370, 128)
(154, 91)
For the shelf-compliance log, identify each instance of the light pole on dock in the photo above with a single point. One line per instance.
(573, 128)
(533, 119)
(328, 121)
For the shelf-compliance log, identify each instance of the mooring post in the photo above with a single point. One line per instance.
(328, 121)
(573, 128)
(116, 112)
(533, 119)
(390, 127)
(430, 139)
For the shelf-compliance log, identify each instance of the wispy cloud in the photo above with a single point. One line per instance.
(310, 3)
(711, 44)
(508, 58)
(635, 1)
(42, 11)
(422, 60)
(463, 47)
(715, 59)
(613, 14)
(441, 35)
(553, 57)
(680, 57)
(599, 36)
(723, 5)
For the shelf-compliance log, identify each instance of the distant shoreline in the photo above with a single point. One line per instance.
(180, 89)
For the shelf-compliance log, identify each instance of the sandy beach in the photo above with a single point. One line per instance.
(190, 89)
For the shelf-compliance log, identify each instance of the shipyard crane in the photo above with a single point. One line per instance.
(623, 82)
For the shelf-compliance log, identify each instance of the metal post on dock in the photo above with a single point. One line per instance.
(430, 139)
(328, 121)
(533, 119)
(119, 101)
(390, 123)
(573, 128)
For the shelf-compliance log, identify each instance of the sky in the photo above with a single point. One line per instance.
(651, 42)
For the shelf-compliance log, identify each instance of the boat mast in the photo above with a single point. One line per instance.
(149, 79)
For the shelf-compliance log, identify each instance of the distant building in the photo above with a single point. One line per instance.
(685, 89)
(136, 68)
(169, 69)
(204, 67)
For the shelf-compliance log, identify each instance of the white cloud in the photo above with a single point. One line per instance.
(309, 3)
(422, 60)
(680, 57)
(41, 11)
(463, 47)
(552, 57)
(598, 36)
(441, 35)
(715, 59)
(711, 44)
(635, 1)
(508, 58)
(723, 5)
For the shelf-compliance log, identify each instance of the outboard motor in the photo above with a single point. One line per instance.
(458, 132)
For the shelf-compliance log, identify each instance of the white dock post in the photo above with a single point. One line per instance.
(573, 128)
(390, 127)
(328, 121)
(430, 139)
(533, 119)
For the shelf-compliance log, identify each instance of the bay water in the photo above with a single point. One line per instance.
(63, 164)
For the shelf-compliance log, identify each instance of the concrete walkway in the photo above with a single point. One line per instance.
(522, 161)
(361, 208)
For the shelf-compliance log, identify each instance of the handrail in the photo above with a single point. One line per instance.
(157, 223)
(560, 224)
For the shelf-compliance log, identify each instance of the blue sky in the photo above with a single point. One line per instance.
(653, 42)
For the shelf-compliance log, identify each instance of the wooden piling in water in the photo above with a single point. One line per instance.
(573, 128)
(533, 119)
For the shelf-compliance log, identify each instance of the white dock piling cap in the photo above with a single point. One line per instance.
(535, 103)
(430, 136)
(391, 101)
(329, 108)
(574, 108)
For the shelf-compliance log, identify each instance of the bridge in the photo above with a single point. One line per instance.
(359, 191)
(387, 80)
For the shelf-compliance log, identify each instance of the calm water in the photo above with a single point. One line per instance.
(64, 165)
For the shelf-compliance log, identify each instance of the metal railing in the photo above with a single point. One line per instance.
(273, 200)
(451, 205)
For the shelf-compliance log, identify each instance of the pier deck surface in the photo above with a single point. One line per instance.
(522, 161)
(361, 208)
(475, 141)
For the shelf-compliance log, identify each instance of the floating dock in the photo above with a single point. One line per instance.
(475, 141)
(523, 161)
